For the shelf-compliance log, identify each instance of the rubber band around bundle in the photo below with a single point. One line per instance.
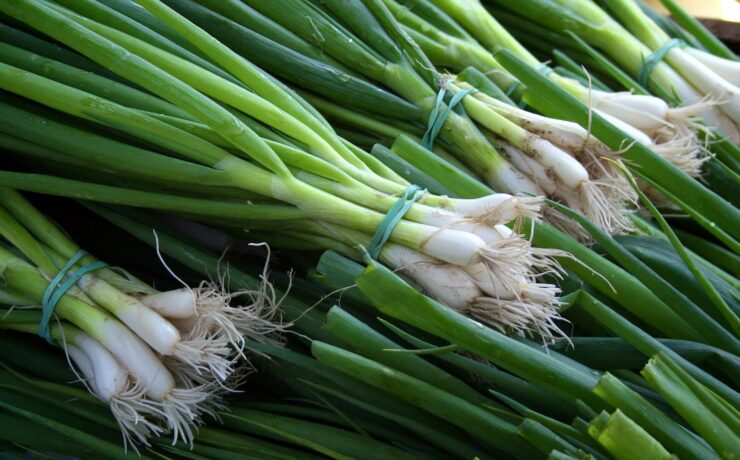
(54, 291)
(647, 66)
(512, 87)
(392, 218)
(438, 117)
(544, 70)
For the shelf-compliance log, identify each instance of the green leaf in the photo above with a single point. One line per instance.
(367, 342)
(675, 301)
(475, 420)
(625, 439)
(730, 316)
(105, 448)
(715, 420)
(647, 344)
(325, 439)
(397, 299)
(669, 433)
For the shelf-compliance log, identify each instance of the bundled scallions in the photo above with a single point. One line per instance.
(561, 158)
(503, 290)
(471, 34)
(270, 155)
(679, 78)
(713, 77)
(161, 360)
(389, 59)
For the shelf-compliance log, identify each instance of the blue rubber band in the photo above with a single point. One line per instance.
(437, 118)
(544, 69)
(512, 87)
(392, 218)
(646, 69)
(54, 291)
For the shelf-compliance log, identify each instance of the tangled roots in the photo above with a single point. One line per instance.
(521, 316)
(516, 208)
(605, 203)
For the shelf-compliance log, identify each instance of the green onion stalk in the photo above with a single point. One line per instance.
(624, 438)
(670, 132)
(385, 54)
(595, 26)
(499, 208)
(216, 149)
(162, 360)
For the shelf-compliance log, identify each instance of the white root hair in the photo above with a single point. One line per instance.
(566, 224)
(258, 319)
(523, 207)
(529, 306)
(605, 204)
(521, 316)
(678, 141)
(208, 356)
(513, 259)
(687, 118)
(135, 414)
(182, 411)
(686, 152)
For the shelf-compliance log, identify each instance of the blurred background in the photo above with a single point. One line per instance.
(722, 17)
(727, 10)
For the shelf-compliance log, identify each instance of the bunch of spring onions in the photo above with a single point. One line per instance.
(685, 74)
(161, 361)
(610, 397)
(374, 389)
(272, 159)
(458, 35)
(360, 64)
(512, 150)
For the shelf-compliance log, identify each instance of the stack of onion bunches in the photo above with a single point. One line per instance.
(699, 85)
(162, 361)
(512, 150)
(183, 107)
(235, 133)
(344, 61)
(474, 34)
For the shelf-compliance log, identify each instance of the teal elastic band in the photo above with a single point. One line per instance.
(54, 291)
(438, 117)
(544, 69)
(646, 69)
(512, 87)
(392, 218)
